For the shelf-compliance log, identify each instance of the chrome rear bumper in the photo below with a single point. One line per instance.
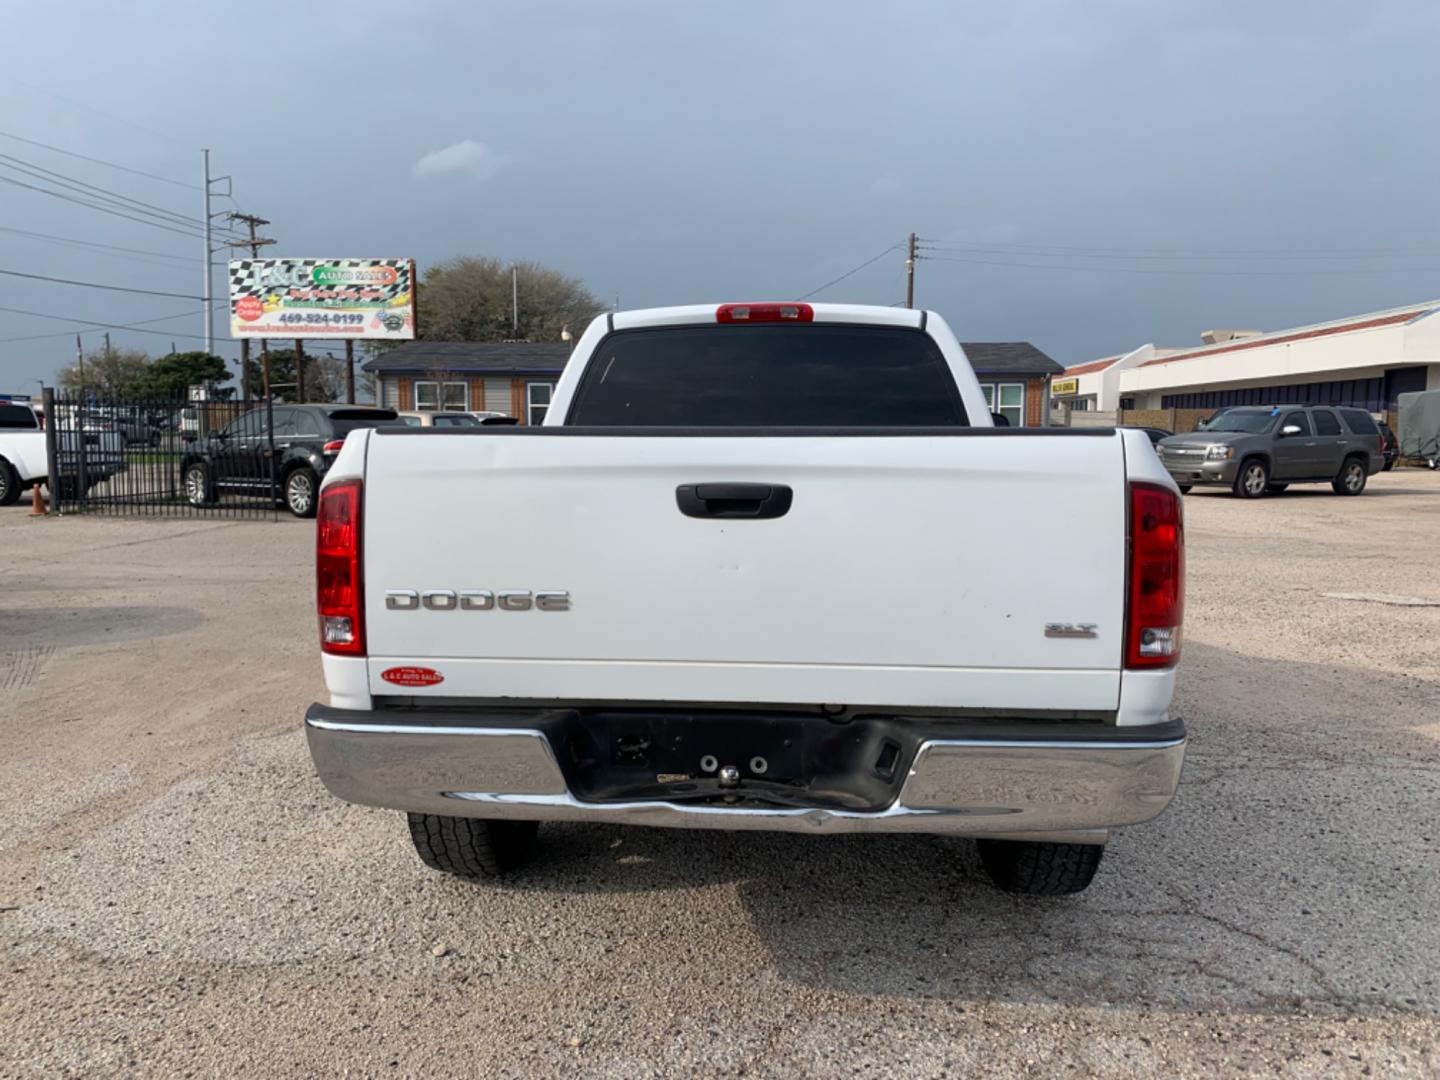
(1025, 788)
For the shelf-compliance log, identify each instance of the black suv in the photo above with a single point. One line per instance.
(244, 457)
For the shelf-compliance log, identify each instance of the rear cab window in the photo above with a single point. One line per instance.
(809, 375)
(17, 417)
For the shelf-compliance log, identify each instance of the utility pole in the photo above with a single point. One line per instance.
(205, 294)
(209, 289)
(80, 363)
(255, 243)
(299, 371)
(514, 302)
(910, 273)
(107, 345)
(350, 371)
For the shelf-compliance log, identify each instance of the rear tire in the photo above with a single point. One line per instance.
(9, 484)
(1389, 464)
(1184, 488)
(476, 849)
(1252, 479)
(1351, 478)
(1040, 868)
(199, 491)
(302, 492)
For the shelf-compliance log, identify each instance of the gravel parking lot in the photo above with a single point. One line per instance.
(180, 896)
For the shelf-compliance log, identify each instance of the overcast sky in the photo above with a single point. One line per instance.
(670, 152)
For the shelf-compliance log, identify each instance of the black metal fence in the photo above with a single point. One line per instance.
(156, 457)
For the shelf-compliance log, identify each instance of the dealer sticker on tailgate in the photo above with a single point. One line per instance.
(412, 676)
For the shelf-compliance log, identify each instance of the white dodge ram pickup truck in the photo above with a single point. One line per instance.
(765, 566)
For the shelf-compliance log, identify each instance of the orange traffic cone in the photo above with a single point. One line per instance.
(37, 502)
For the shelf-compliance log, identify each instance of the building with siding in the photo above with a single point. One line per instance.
(1015, 378)
(511, 377)
(1364, 360)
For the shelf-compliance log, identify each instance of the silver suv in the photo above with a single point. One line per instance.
(1260, 449)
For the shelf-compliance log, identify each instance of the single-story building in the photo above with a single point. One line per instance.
(1094, 386)
(511, 377)
(1015, 378)
(518, 377)
(1364, 361)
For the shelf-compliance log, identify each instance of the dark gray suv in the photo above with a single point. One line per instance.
(1260, 449)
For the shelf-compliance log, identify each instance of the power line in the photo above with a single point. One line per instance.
(848, 273)
(136, 325)
(97, 285)
(1100, 253)
(95, 191)
(93, 244)
(99, 161)
(102, 208)
(1170, 270)
(1198, 253)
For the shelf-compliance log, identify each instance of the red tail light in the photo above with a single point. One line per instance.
(1156, 606)
(754, 313)
(334, 446)
(339, 597)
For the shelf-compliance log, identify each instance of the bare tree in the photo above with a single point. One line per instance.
(113, 373)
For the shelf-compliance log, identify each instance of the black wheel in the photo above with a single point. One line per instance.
(1252, 479)
(302, 491)
(1040, 868)
(471, 848)
(1275, 489)
(9, 484)
(1389, 464)
(199, 491)
(1184, 488)
(1351, 478)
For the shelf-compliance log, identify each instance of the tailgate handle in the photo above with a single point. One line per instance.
(733, 500)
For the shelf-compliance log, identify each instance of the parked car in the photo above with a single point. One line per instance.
(1392, 445)
(238, 459)
(1155, 434)
(136, 425)
(718, 631)
(23, 461)
(1258, 449)
(88, 452)
(430, 418)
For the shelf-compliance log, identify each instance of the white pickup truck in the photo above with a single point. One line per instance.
(765, 566)
(88, 452)
(23, 461)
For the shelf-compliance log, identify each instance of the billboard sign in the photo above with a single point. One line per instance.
(1065, 387)
(314, 298)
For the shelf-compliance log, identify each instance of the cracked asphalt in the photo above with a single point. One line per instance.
(180, 897)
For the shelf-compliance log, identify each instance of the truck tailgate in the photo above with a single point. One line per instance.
(910, 571)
